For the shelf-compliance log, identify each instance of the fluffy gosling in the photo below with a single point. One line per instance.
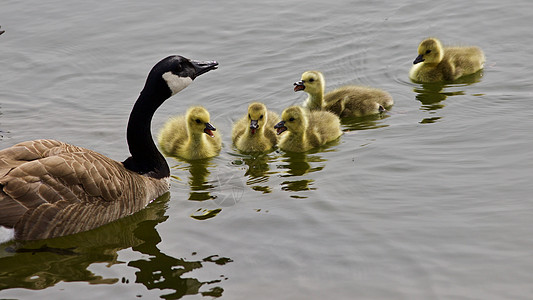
(346, 101)
(190, 136)
(255, 131)
(306, 129)
(437, 63)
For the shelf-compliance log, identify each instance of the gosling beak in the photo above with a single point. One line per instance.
(201, 67)
(299, 86)
(280, 127)
(209, 129)
(254, 126)
(418, 59)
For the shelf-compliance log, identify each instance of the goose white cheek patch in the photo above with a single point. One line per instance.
(176, 83)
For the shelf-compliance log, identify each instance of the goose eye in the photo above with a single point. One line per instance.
(198, 121)
(428, 51)
(249, 117)
(261, 117)
(291, 119)
(311, 80)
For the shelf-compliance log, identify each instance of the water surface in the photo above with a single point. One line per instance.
(428, 201)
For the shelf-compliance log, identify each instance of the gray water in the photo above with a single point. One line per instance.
(430, 201)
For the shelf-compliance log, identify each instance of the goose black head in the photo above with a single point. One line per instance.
(174, 73)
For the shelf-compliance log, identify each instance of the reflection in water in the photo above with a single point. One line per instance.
(430, 94)
(164, 272)
(364, 123)
(207, 181)
(298, 165)
(198, 181)
(42, 264)
(258, 171)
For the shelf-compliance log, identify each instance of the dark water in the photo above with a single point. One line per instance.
(429, 201)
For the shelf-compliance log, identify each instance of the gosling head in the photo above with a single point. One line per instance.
(198, 121)
(173, 74)
(293, 119)
(429, 52)
(257, 115)
(311, 82)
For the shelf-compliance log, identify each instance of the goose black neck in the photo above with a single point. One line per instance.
(145, 157)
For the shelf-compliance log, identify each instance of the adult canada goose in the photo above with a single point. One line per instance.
(255, 131)
(307, 129)
(346, 101)
(190, 136)
(49, 188)
(437, 63)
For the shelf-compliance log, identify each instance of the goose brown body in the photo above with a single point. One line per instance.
(49, 188)
(345, 101)
(437, 63)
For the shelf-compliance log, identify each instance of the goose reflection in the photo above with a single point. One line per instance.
(42, 264)
(432, 94)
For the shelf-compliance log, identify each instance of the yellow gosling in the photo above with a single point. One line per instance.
(437, 63)
(255, 131)
(190, 136)
(306, 129)
(346, 101)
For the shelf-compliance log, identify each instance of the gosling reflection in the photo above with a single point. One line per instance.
(364, 123)
(258, 171)
(198, 180)
(41, 264)
(431, 94)
(297, 165)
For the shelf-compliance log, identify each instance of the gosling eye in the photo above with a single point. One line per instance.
(261, 117)
(428, 51)
(198, 121)
(311, 79)
(291, 119)
(249, 117)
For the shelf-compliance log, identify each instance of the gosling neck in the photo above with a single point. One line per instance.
(145, 157)
(315, 100)
(195, 138)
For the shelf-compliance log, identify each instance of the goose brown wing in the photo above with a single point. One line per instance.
(39, 179)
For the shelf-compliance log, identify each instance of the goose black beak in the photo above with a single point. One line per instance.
(299, 86)
(209, 129)
(280, 127)
(418, 59)
(201, 67)
(254, 126)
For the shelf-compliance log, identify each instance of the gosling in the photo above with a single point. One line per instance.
(436, 63)
(346, 101)
(190, 136)
(255, 132)
(307, 129)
